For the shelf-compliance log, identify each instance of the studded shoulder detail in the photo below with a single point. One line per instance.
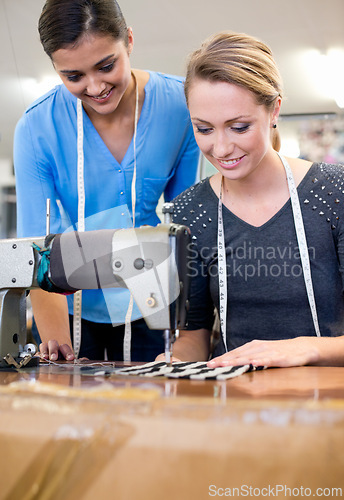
(191, 209)
(326, 196)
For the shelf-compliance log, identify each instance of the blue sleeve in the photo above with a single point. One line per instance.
(34, 183)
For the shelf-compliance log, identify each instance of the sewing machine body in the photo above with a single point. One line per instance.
(150, 261)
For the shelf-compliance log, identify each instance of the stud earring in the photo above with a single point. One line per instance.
(274, 125)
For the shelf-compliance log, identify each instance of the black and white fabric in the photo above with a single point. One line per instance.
(187, 370)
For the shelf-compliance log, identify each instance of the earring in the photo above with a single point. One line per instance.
(274, 125)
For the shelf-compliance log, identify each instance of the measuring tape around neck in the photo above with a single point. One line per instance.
(77, 303)
(77, 307)
(128, 316)
(222, 270)
(302, 242)
(303, 248)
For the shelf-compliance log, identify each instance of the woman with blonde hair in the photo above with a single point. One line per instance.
(267, 231)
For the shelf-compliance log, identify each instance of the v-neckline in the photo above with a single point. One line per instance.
(274, 216)
(127, 158)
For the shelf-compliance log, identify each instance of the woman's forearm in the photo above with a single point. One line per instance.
(192, 345)
(50, 311)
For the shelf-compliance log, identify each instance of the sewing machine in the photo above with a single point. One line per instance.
(150, 261)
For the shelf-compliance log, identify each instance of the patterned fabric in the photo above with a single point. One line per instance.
(190, 370)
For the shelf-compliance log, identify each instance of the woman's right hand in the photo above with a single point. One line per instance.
(50, 311)
(53, 351)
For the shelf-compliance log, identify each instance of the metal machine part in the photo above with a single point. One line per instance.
(152, 262)
(19, 264)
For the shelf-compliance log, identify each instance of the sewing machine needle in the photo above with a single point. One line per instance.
(167, 337)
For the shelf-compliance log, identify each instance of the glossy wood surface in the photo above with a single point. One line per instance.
(288, 384)
(70, 435)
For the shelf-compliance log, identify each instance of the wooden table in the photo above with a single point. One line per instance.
(273, 433)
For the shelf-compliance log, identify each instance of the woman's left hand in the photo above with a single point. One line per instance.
(298, 351)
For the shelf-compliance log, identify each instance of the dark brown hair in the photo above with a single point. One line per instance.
(64, 22)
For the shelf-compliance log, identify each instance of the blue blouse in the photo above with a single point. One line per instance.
(45, 161)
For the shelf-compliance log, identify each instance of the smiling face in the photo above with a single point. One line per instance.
(231, 129)
(96, 70)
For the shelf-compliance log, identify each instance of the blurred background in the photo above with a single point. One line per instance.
(306, 36)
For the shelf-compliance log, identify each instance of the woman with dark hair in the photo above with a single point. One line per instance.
(267, 232)
(102, 147)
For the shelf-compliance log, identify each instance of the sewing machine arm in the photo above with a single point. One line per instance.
(150, 261)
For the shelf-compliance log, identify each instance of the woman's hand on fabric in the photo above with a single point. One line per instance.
(298, 351)
(53, 351)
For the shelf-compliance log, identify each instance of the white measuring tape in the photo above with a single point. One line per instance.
(222, 270)
(303, 248)
(81, 227)
(127, 324)
(302, 242)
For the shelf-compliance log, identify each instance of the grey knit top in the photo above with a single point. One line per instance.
(267, 298)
